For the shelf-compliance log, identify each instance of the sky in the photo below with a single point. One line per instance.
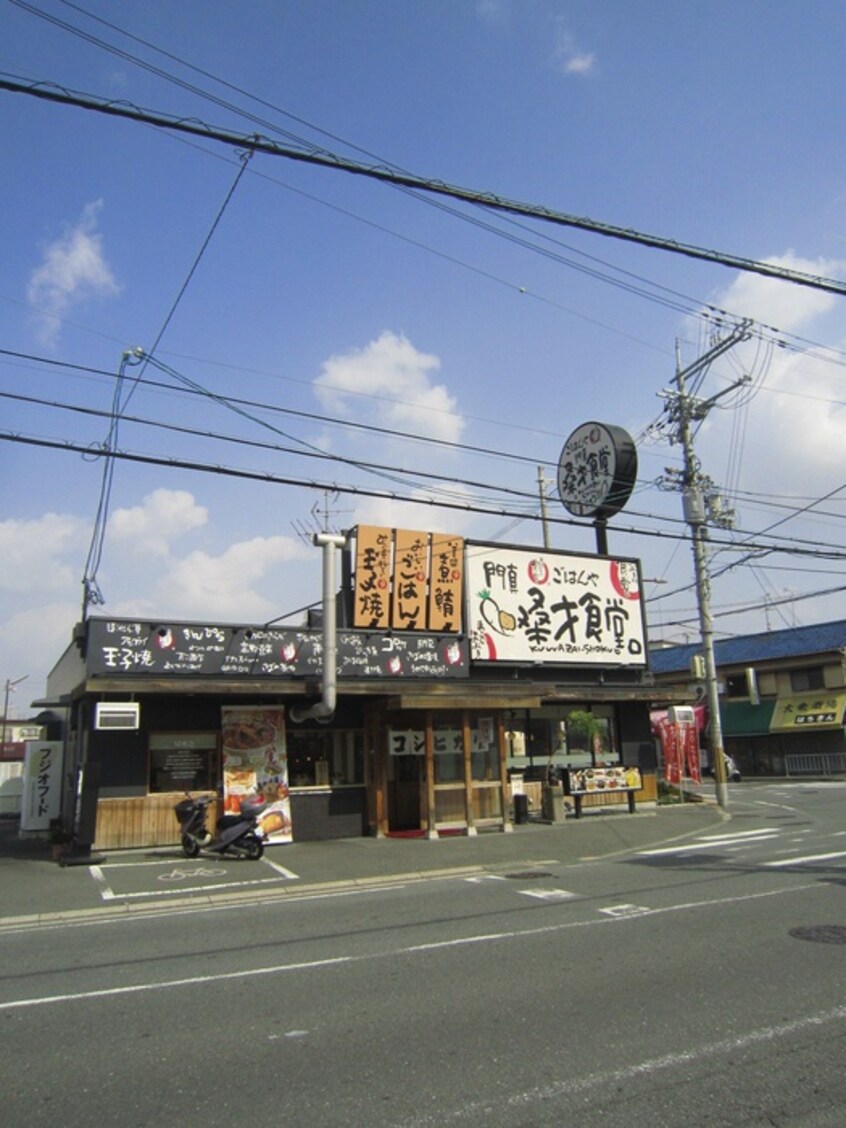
(369, 354)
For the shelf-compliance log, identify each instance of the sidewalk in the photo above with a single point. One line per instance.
(34, 886)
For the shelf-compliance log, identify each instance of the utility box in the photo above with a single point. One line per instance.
(552, 804)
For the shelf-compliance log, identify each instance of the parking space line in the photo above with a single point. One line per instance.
(107, 893)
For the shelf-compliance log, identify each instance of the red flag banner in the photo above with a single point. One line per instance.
(669, 735)
(690, 742)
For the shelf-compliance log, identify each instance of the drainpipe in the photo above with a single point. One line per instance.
(323, 710)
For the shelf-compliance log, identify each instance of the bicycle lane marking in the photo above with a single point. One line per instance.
(178, 874)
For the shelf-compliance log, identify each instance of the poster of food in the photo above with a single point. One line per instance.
(255, 764)
(587, 781)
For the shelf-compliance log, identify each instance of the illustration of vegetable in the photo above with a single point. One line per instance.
(503, 622)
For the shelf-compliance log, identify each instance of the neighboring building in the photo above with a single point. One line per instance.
(13, 737)
(782, 696)
(449, 660)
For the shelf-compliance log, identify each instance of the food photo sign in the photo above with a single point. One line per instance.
(255, 764)
(551, 607)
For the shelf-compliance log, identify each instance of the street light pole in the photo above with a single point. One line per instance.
(10, 685)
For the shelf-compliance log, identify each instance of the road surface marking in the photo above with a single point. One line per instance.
(741, 838)
(393, 953)
(807, 858)
(548, 894)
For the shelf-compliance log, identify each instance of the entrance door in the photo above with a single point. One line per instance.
(405, 784)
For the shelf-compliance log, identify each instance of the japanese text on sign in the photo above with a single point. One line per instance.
(548, 607)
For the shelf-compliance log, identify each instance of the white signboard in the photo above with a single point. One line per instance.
(42, 786)
(550, 608)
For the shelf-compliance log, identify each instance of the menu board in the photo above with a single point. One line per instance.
(592, 781)
(124, 647)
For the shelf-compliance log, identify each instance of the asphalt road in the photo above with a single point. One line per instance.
(696, 983)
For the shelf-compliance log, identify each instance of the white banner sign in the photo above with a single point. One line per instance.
(42, 794)
(551, 608)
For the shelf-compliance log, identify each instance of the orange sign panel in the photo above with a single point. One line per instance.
(445, 577)
(411, 574)
(407, 581)
(373, 562)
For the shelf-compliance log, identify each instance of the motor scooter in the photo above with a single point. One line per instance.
(234, 834)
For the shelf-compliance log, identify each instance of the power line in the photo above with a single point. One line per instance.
(68, 446)
(758, 606)
(256, 444)
(309, 415)
(193, 388)
(53, 93)
(679, 302)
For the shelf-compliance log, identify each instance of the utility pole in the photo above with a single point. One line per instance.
(544, 514)
(701, 505)
(10, 686)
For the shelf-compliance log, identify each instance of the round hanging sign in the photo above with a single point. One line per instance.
(597, 470)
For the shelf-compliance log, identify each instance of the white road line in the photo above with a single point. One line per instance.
(393, 953)
(807, 858)
(286, 873)
(742, 838)
(105, 891)
(731, 836)
(612, 1079)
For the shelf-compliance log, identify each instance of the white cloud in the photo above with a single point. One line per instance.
(406, 515)
(31, 642)
(784, 305)
(390, 380)
(792, 434)
(73, 270)
(567, 56)
(32, 552)
(163, 515)
(227, 586)
(494, 12)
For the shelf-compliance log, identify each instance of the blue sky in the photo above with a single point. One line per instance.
(349, 301)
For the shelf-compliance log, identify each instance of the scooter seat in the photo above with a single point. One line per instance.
(252, 807)
(225, 821)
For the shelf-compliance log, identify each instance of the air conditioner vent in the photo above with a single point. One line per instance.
(117, 715)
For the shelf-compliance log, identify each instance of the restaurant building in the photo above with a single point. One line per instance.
(440, 676)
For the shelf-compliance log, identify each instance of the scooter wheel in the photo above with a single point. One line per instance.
(190, 846)
(253, 846)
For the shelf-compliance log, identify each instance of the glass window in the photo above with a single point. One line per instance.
(737, 686)
(448, 747)
(540, 743)
(325, 758)
(811, 678)
(484, 748)
(591, 738)
(183, 761)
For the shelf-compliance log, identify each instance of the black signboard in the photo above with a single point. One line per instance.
(122, 646)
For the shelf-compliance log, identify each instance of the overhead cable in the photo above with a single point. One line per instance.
(836, 552)
(53, 93)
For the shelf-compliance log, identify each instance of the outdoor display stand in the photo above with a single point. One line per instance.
(579, 782)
